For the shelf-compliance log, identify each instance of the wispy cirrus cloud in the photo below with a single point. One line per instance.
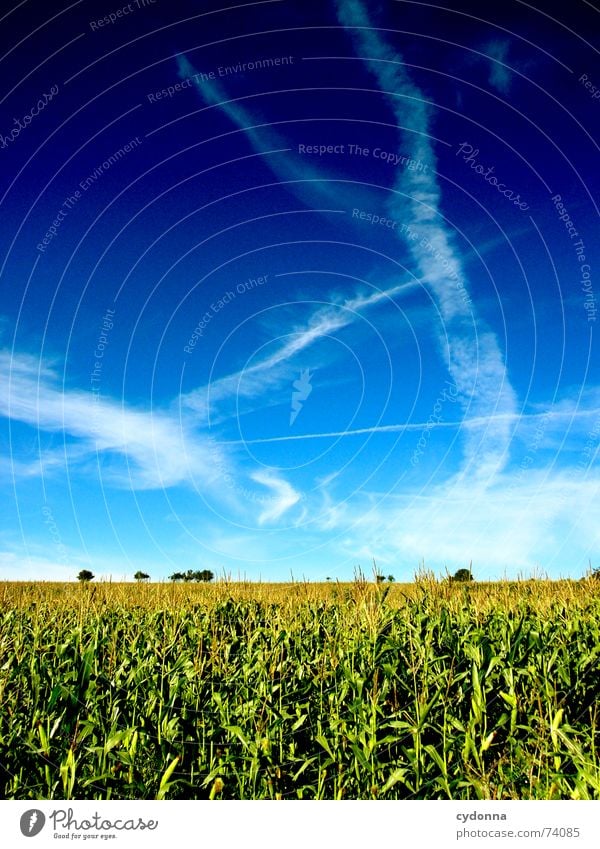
(470, 349)
(20, 566)
(283, 496)
(150, 449)
(453, 519)
(127, 448)
(499, 75)
(550, 516)
(311, 184)
(276, 369)
(555, 423)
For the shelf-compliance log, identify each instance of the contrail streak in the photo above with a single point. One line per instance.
(477, 421)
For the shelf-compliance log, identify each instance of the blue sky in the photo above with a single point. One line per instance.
(287, 288)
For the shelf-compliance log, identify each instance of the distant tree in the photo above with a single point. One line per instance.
(379, 578)
(391, 579)
(462, 575)
(200, 576)
(141, 576)
(85, 575)
(206, 576)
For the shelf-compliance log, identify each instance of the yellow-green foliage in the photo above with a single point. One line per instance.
(329, 691)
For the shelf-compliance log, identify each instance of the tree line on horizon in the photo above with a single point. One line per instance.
(199, 575)
(206, 576)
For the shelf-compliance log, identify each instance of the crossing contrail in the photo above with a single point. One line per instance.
(476, 421)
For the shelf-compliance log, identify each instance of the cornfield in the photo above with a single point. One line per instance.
(301, 691)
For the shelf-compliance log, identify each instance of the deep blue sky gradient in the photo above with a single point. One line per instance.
(218, 360)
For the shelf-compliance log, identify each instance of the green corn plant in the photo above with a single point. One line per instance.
(300, 691)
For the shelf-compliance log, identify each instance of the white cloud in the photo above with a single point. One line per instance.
(20, 567)
(555, 421)
(500, 75)
(524, 523)
(313, 185)
(276, 369)
(35, 562)
(283, 497)
(471, 351)
(153, 449)
(131, 448)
